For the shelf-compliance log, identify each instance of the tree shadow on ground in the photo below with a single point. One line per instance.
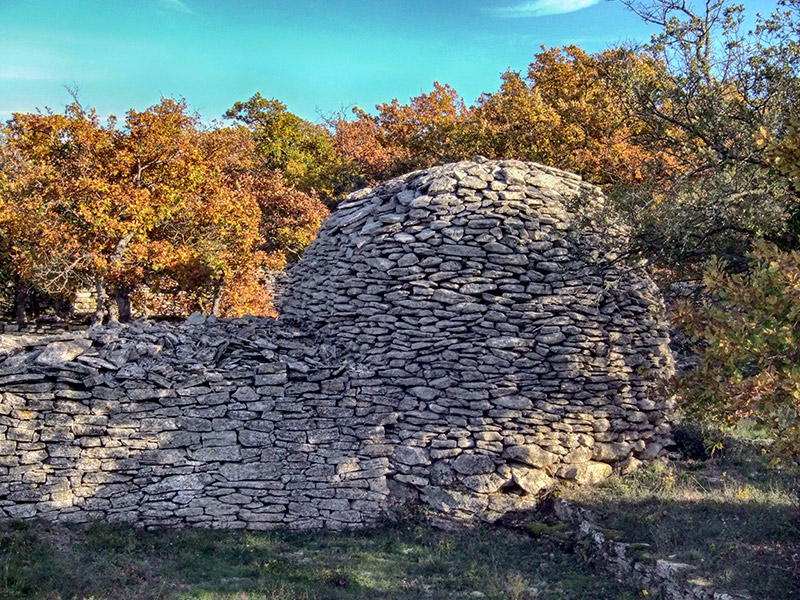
(735, 517)
(399, 561)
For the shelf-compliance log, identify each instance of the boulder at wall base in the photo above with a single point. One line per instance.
(410, 455)
(501, 504)
(486, 483)
(530, 454)
(611, 452)
(533, 481)
(585, 474)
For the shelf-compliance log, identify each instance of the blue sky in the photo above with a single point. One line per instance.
(316, 56)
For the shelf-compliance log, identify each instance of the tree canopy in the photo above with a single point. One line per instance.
(158, 200)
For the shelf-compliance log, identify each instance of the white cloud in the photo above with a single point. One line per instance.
(178, 5)
(541, 8)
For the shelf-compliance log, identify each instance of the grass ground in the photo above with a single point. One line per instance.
(404, 561)
(735, 516)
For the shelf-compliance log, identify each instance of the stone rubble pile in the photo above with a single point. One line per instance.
(460, 336)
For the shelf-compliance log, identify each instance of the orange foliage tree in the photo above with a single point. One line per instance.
(160, 201)
(359, 141)
(430, 129)
(571, 110)
(65, 206)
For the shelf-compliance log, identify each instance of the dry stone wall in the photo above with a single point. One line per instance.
(222, 423)
(462, 336)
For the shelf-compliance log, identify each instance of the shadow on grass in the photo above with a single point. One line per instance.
(735, 517)
(41, 561)
(752, 547)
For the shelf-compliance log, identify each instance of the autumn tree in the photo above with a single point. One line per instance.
(213, 239)
(286, 220)
(55, 206)
(749, 345)
(567, 111)
(720, 89)
(359, 141)
(159, 201)
(515, 122)
(571, 111)
(303, 152)
(430, 129)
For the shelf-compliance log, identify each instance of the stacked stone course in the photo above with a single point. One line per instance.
(222, 423)
(460, 336)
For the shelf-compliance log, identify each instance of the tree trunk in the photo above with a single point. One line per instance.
(120, 310)
(112, 312)
(20, 299)
(35, 304)
(100, 306)
(217, 297)
(123, 297)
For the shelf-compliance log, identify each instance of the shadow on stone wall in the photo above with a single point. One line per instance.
(250, 448)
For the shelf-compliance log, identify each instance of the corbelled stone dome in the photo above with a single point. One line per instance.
(493, 303)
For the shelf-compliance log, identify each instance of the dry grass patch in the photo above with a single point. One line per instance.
(735, 516)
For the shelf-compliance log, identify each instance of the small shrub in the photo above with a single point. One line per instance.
(539, 529)
(748, 335)
(690, 442)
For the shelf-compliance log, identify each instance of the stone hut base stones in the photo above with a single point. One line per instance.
(462, 337)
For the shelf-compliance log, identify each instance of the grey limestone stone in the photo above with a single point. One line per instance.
(58, 353)
(530, 454)
(473, 464)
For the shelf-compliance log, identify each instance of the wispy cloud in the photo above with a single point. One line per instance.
(541, 8)
(178, 5)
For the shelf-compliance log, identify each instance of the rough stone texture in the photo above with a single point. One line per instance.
(505, 329)
(459, 336)
(225, 423)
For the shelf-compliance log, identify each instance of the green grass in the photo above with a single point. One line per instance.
(403, 561)
(735, 516)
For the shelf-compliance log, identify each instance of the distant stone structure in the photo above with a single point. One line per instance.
(461, 336)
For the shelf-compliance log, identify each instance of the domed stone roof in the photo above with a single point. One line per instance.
(493, 302)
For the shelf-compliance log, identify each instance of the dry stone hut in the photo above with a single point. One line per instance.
(514, 343)
(461, 336)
